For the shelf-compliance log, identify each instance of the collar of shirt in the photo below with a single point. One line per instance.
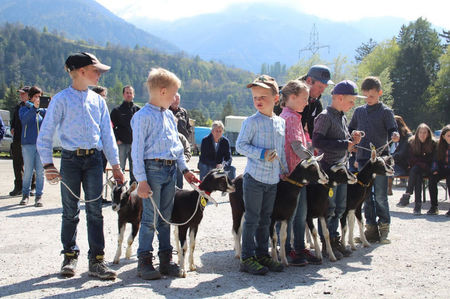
(157, 108)
(335, 112)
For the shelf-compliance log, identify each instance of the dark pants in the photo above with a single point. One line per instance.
(415, 180)
(432, 185)
(86, 172)
(16, 153)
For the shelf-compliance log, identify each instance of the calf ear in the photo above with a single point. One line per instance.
(133, 187)
(301, 151)
(319, 157)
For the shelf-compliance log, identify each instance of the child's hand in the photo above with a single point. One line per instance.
(356, 136)
(283, 176)
(270, 155)
(118, 174)
(144, 190)
(191, 178)
(351, 146)
(395, 137)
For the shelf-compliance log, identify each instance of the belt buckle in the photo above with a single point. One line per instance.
(79, 152)
(168, 162)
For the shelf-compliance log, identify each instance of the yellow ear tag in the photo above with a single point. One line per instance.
(330, 193)
(309, 160)
(373, 147)
(203, 201)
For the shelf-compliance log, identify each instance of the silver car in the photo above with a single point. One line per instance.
(5, 144)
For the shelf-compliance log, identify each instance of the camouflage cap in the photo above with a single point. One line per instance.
(265, 81)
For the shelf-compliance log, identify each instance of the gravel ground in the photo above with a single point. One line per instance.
(415, 265)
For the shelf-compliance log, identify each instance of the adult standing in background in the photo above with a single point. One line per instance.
(318, 78)
(183, 126)
(120, 119)
(16, 146)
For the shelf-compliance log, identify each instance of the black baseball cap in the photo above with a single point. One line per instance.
(24, 89)
(81, 59)
(321, 73)
(347, 87)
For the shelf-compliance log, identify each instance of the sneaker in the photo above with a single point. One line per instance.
(145, 268)
(295, 259)
(433, 211)
(24, 200)
(69, 264)
(252, 266)
(310, 258)
(15, 192)
(268, 262)
(404, 200)
(98, 268)
(417, 212)
(38, 202)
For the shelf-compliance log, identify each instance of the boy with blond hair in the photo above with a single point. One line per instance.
(156, 151)
(377, 121)
(261, 139)
(85, 131)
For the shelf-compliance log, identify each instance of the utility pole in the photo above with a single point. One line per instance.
(314, 46)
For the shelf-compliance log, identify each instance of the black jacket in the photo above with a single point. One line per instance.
(310, 112)
(208, 154)
(16, 124)
(120, 119)
(184, 127)
(401, 153)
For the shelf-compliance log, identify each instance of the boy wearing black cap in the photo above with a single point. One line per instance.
(332, 138)
(85, 131)
(261, 139)
(378, 123)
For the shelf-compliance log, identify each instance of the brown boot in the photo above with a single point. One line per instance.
(390, 182)
(384, 231)
(371, 233)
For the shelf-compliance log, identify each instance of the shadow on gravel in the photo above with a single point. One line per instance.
(408, 215)
(36, 211)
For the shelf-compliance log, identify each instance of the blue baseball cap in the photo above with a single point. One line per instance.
(321, 73)
(347, 87)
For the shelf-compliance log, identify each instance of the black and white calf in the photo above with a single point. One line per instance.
(357, 193)
(191, 204)
(128, 206)
(318, 201)
(284, 206)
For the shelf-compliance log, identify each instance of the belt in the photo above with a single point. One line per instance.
(165, 162)
(81, 152)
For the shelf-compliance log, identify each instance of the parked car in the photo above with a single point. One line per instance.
(5, 144)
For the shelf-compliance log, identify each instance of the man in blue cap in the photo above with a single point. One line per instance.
(318, 78)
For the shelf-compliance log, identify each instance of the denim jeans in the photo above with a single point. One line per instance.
(298, 223)
(87, 172)
(336, 208)
(376, 203)
(204, 169)
(32, 162)
(258, 202)
(124, 154)
(161, 179)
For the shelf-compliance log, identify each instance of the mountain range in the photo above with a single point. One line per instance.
(247, 35)
(80, 19)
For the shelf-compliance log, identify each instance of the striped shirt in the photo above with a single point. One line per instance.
(83, 120)
(331, 135)
(258, 133)
(155, 136)
(294, 131)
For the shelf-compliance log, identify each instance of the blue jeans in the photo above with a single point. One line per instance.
(258, 202)
(336, 208)
(86, 171)
(161, 179)
(124, 154)
(376, 203)
(204, 169)
(32, 161)
(298, 223)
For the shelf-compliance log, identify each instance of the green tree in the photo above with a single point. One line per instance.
(10, 99)
(415, 69)
(227, 110)
(365, 49)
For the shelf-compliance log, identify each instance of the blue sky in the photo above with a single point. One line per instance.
(436, 11)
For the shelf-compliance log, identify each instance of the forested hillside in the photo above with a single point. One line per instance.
(30, 57)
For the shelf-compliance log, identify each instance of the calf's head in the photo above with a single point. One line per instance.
(120, 194)
(217, 180)
(308, 170)
(339, 174)
(382, 165)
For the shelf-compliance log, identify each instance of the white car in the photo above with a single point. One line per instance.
(5, 144)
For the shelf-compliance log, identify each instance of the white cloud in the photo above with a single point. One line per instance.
(436, 11)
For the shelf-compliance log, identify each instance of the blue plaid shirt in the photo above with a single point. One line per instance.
(83, 121)
(155, 136)
(258, 133)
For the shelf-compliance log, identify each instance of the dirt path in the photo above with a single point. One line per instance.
(415, 265)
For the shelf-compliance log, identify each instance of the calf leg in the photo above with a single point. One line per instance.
(192, 236)
(134, 231)
(344, 227)
(361, 227)
(309, 240)
(315, 238)
(326, 235)
(180, 240)
(351, 224)
(237, 233)
(283, 237)
(119, 243)
(274, 241)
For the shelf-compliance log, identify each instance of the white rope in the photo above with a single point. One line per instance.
(57, 180)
